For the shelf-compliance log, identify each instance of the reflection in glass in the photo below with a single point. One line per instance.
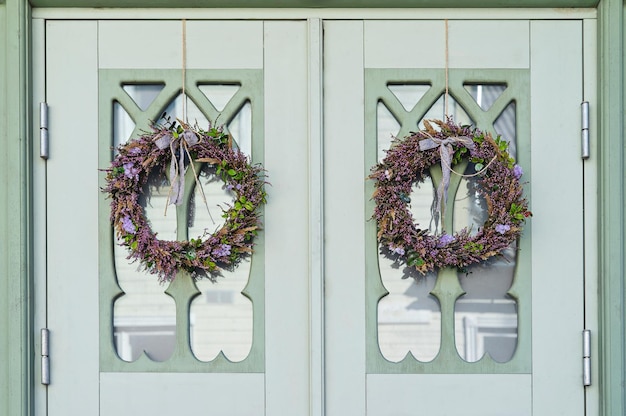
(486, 316)
(145, 317)
(485, 95)
(219, 94)
(123, 125)
(408, 94)
(143, 94)
(241, 128)
(505, 126)
(221, 317)
(194, 115)
(470, 208)
(438, 112)
(409, 317)
(387, 129)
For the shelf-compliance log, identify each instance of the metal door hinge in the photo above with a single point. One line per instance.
(45, 356)
(43, 131)
(586, 357)
(584, 108)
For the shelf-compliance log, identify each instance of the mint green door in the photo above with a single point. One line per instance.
(501, 339)
(318, 322)
(122, 345)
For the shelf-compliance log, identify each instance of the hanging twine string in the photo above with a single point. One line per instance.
(184, 68)
(440, 195)
(445, 99)
(181, 144)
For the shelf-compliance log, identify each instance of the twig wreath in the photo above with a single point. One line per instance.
(408, 162)
(174, 145)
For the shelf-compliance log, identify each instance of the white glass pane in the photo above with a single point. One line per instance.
(408, 94)
(144, 318)
(123, 125)
(219, 94)
(505, 126)
(470, 208)
(409, 317)
(387, 129)
(485, 94)
(438, 112)
(194, 116)
(486, 317)
(241, 128)
(221, 317)
(143, 94)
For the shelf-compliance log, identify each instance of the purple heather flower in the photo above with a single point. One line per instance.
(230, 187)
(387, 174)
(502, 228)
(222, 250)
(130, 171)
(128, 226)
(518, 171)
(135, 150)
(444, 240)
(397, 250)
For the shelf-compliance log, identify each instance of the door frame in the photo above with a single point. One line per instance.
(20, 334)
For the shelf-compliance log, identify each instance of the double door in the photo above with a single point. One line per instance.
(318, 320)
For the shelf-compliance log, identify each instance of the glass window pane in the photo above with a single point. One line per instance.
(408, 94)
(485, 95)
(219, 94)
(486, 316)
(409, 317)
(143, 94)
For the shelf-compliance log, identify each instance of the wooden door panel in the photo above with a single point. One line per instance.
(89, 63)
(541, 64)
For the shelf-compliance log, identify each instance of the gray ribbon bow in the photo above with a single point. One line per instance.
(180, 144)
(446, 151)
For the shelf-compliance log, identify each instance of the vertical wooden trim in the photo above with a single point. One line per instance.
(39, 260)
(16, 350)
(316, 219)
(590, 200)
(611, 209)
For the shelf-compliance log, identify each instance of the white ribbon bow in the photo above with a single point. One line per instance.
(446, 151)
(182, 143)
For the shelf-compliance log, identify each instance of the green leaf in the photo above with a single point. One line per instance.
(134, 245)
(478, 167)
(232, 172)
(414, 260)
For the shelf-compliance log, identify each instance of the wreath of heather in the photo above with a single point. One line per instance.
(127, 179)
(408, 162)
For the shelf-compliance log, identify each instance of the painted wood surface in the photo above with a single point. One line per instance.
(18, 343)
(284, 330)
(556, 371)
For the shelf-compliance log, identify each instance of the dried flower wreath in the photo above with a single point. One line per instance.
(408, 162)
(174, 145)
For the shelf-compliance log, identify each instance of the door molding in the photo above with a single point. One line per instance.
(18, 342)
(313, 3)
